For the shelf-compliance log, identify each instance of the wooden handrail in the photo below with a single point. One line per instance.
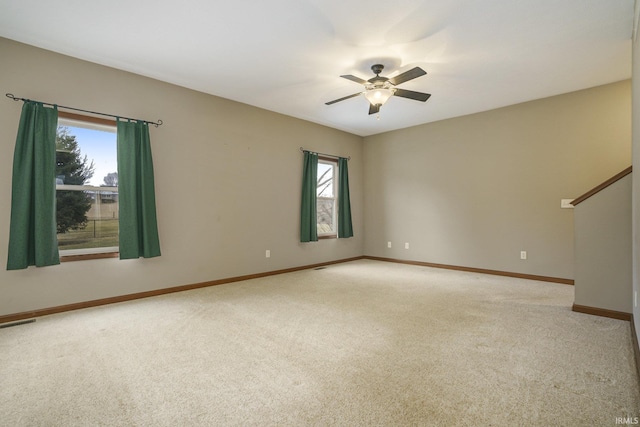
(602, 186)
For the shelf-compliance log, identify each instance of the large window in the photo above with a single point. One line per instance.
(326, 192)
(86, 187)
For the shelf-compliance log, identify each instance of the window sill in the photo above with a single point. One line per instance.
(85, 257)
(328, 236)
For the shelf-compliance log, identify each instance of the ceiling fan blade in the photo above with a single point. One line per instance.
(354, 79)
(342, 99)
(407, 75)
(373, 109)
(418, 96)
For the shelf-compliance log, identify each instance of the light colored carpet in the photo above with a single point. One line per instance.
(363, 343)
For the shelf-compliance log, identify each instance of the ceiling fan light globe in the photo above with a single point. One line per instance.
(378, 96)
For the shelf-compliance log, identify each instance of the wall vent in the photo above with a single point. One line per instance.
(22, 322)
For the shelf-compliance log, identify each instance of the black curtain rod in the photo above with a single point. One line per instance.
(326, 155)
(9, 95)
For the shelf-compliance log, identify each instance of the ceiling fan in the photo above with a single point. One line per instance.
(379, 89)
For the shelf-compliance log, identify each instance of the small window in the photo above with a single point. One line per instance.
(86, 187)
(327, 198)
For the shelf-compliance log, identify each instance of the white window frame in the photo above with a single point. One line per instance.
(334, 163)
(87, 122)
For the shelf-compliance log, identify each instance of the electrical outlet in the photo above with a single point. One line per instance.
(406, 245)
(267, 254)
(523, 254)
(388, 244)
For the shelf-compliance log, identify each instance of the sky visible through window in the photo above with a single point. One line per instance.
(99, 146)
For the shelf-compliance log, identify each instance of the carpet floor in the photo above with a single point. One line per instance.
(363, 343)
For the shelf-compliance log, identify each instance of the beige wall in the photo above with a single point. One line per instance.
(603, 248)
(636, 176)
(227, 181)
(474, 191)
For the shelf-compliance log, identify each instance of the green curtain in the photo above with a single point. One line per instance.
(308, 215)
(32, 232)
(138, 222)
(345, 228)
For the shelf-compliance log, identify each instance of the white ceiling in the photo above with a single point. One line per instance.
(287, 55)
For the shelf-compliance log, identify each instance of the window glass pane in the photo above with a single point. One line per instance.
(326, 200)
(326, 215)
(324, 187)
(97, 228)
(93, 149)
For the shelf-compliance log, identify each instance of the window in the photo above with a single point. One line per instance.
(86, 186)
(326, 193)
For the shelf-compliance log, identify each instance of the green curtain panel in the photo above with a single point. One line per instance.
(345, 228)
(308, 216)
(138, 222)
(32, 232)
